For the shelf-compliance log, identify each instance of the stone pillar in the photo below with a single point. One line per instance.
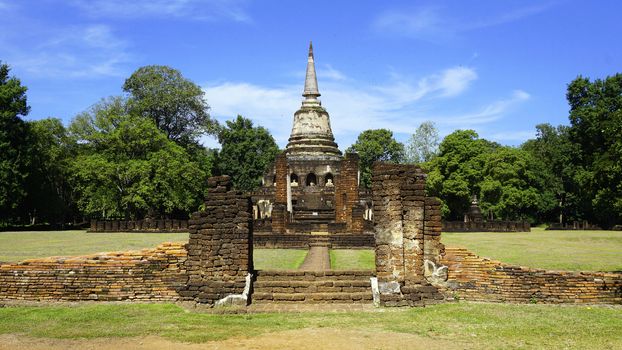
(220, 248)
(407, 223)
(388, 230)
(347, 191)
(407, 227)
(279, 209)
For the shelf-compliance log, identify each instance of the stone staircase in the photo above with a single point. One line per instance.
(319, 239)
(291, 286)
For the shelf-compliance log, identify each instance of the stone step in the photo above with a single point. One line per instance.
(360, 283)
(359, 297)
(299, 275)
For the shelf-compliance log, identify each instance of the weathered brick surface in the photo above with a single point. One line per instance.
(407, 224)
(301, 241)
(220, 249)
(145, 225)
(347, 194)
(148, 274)
(295, 286)
(407, 228)
(474, 278)
(486, 226)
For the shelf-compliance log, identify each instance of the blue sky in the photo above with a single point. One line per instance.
(498, 67)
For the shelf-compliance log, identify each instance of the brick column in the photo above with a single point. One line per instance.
(220, 248)
(279, 208)
(347, 191)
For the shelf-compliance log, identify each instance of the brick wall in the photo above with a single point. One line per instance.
(301, 241)
(145, 225)
(279, 208)
(148, 274)
(471, 277)
(407, 224)
(220, 248)
(347, 193)
(486, 226)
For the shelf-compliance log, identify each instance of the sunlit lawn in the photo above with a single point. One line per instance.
(352, 259)
(468, 325)
(557, 250)
(16, 246)
(278, 259)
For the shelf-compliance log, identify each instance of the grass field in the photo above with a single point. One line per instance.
(352, 259)
(557, 250)
(467, 325)
(278, 259)
(16, 246)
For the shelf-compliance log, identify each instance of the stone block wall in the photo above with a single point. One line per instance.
(471, 277)
(407, 223)
(142, 275)
(220, 248)
(407, 227)
(486, 226)
(301, 241)
(145, 225)
(347, 194)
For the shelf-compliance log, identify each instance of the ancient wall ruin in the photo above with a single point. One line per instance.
(145, 225)
(407, 231)
(486, 226)
(220, 248)
(142, 275)
(471, 277)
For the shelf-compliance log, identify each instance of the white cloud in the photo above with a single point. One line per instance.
(75, 52)
(433, 23)
(398, 105)
(513, 136)
(234, 10)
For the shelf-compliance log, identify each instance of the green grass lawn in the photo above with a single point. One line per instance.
(16, 246)
(556, 250)
(472, 325)
(278, 259)
(352, 259)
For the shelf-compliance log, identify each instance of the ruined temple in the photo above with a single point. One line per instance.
(312, 186)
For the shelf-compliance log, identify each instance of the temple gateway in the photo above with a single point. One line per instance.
(311, 187)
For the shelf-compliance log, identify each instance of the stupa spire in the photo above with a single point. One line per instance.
(311, 92)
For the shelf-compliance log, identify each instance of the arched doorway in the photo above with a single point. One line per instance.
(311, 180)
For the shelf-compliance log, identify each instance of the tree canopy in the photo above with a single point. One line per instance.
(596, 128)
(246, 152)
(14, 136)
(376, 145)
(507, 180)
(176, 105)
(423, 144)
(128, 168)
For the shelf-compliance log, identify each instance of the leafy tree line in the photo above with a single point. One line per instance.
(138, 154)
(128, 156)
(567, 173)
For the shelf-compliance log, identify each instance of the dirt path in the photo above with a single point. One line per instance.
(310, 338)
(317, 259)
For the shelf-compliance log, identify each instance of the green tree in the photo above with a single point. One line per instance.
(596, 127)
(49, 196)
(555, 152)
(376, 145)
(423, 144)
(127, 166)
(507, 180)
(175, 104)
(246, 152)
(455, 174)
(14, 136)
